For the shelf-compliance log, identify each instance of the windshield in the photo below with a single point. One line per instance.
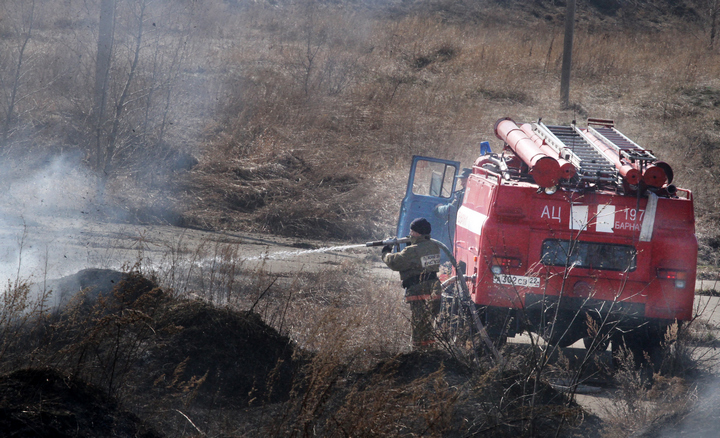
(590, 255)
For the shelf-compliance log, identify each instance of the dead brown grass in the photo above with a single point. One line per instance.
(319, 108)
(335, 101)
(641, 405)
(303, 115)
(335, 360)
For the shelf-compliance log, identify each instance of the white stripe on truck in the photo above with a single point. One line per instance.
(471, 220)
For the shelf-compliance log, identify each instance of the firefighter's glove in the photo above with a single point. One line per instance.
(386, 249)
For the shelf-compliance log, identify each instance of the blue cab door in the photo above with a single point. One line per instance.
(431, 183)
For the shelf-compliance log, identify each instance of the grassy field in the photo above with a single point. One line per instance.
(340, 98)
(300, 119)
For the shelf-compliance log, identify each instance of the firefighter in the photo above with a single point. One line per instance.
(418, 264)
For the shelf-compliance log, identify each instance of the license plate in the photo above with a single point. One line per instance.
(516, 280)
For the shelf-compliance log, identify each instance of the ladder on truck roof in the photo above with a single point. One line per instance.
(606, 132)
(592, 165)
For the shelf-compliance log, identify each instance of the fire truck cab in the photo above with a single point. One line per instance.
(576, 233)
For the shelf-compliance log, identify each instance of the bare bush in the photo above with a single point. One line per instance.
(639, 404)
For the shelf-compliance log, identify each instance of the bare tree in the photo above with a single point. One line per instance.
(707, 18)
(120, 105)
(168, 58)
(23, 29)
(106, 36)
(713, 8)
(137, 66)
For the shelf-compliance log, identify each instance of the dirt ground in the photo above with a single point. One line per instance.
(50, 248)
(53, 247)
(39, 403)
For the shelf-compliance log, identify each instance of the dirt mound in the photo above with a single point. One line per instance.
(90, 284)
(219, 356)
(150, 350)
(169, 348)
(43, 403)
(408, 367)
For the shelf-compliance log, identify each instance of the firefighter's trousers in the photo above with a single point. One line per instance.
(424, 300)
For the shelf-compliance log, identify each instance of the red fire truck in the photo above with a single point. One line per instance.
(567, 228)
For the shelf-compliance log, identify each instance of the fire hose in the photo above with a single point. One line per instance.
(499, 359)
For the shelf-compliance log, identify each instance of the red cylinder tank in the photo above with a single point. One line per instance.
(544, 170)
(654, 176)
(631, 174)
(567, 170)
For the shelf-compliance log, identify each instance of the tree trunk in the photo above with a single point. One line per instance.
(17, 78)
(102, 74)
(713, 23)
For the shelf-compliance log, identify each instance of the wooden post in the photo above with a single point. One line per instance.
(567, 54)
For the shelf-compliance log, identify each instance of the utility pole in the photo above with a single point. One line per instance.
(567, 54)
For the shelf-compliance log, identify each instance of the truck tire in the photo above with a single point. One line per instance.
(598, 345)
(499, 323)
(645, 346)
(454, 318)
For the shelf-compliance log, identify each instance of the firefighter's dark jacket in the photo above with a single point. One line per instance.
(418, 265)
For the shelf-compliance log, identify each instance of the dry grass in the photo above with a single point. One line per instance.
(307, 114)
(357, 330)
(640, 405)
(338, 100)
(303, 115)
(350, 335)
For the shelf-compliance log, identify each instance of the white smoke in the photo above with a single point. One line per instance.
(43, 209)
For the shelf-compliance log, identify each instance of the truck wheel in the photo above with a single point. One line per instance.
(453, 318)
(646, 349)
(601, 343)
(563, 332)
(622, 348)
(654, 349)
(498, 323)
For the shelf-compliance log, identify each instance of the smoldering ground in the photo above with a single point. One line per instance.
(57, 217)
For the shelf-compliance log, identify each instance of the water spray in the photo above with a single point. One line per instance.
(282, 255)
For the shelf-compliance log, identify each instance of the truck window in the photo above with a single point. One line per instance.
(433, 179)
(590, 255)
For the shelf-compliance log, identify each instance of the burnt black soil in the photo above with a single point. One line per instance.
(189, 347)
(241, 360)
(187, 356)
(38, 403)
(174, 353)
(414, 365)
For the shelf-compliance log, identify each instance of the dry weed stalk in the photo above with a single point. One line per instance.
(638, 403)
(21, 310)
